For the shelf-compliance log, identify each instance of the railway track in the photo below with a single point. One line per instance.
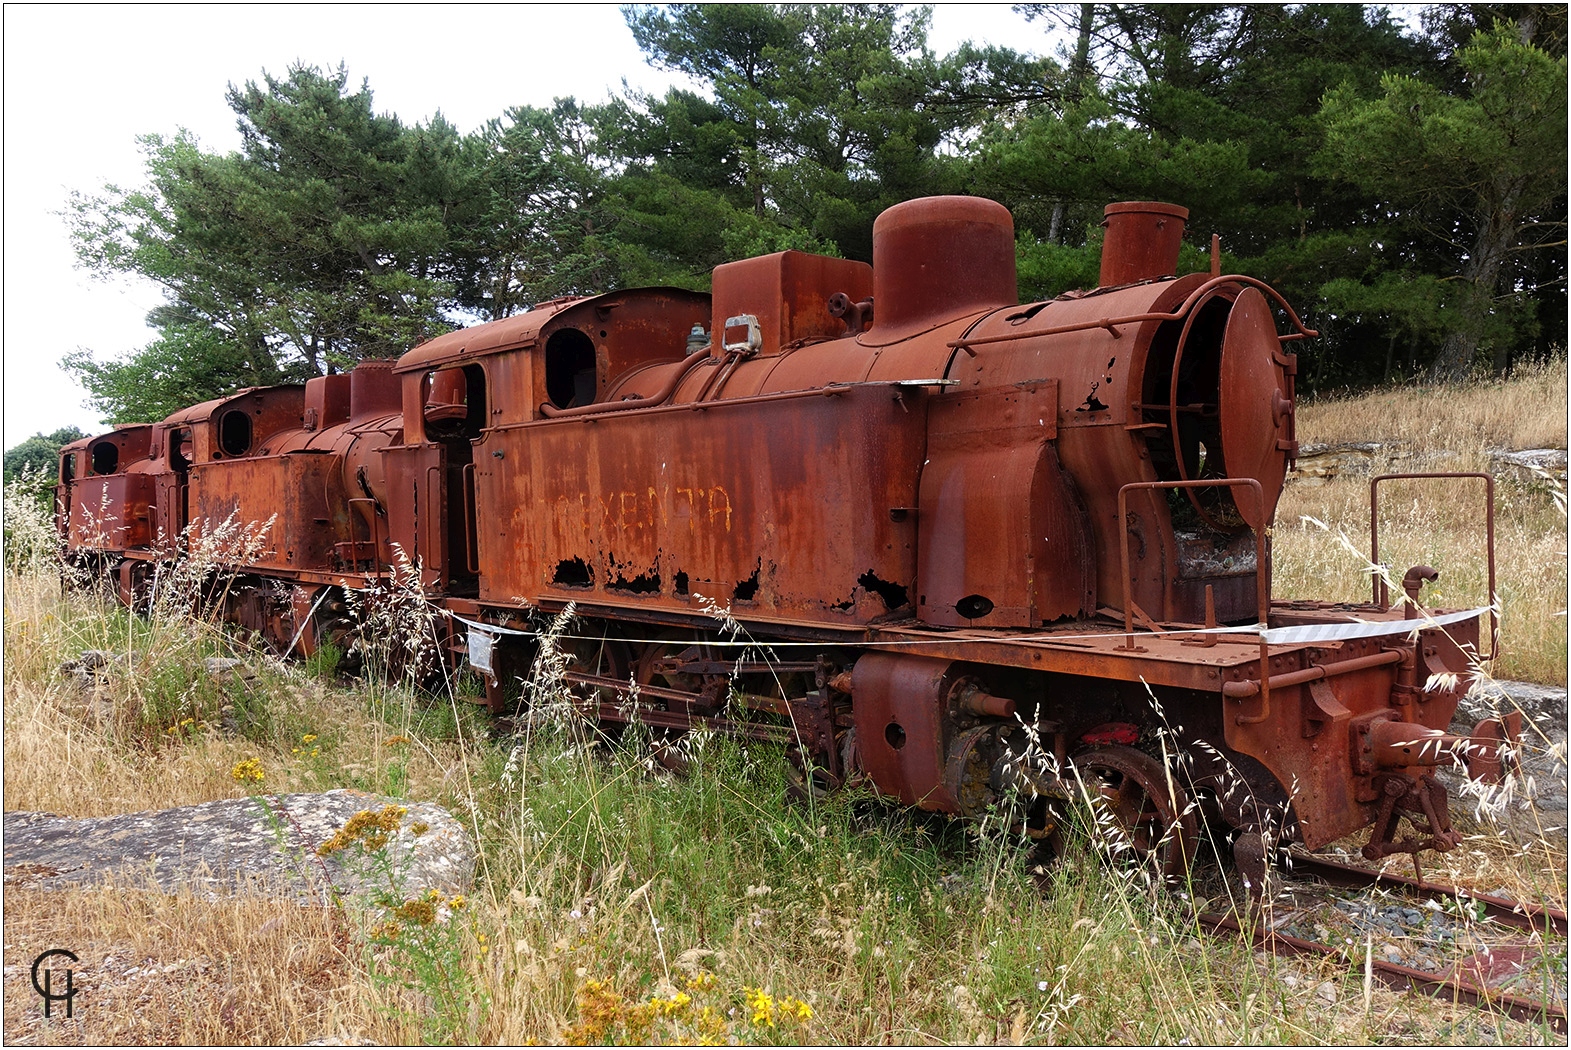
(1467, 981)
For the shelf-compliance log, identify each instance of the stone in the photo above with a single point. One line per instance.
(1318, 463)
(1537, 807)
(1326, 990)
(222, 666)
(1530, 464)
(264, 844)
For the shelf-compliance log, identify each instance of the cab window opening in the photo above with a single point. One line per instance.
(570, 378)
(234, 433)
(454, 403)
(106, 457)
(68, 467)
(180, 450)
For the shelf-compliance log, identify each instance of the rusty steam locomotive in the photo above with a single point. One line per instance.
(963, 525)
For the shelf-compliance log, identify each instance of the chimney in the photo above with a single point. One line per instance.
(1142, 241)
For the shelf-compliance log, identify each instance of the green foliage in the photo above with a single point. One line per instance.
(327, 239)
(1481, 175)
(828, 110)
(186, 364)
(39, 454)
(1414, 183)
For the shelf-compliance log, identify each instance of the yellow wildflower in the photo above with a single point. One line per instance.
(711, 1027)
(371, 830)
(458, 902)
(248, 769)
(762, 1004)
(791, 1006)
(308, 738)
(703, 982)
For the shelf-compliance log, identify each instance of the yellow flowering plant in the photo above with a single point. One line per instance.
(703, 1014)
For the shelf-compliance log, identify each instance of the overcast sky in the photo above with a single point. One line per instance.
(82, 82)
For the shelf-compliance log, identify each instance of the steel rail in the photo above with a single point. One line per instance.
(1392, 975)
(1523, 916)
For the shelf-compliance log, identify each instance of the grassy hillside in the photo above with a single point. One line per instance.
(1441, 523)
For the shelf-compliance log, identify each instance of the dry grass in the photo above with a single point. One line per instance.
(156, 968)
(1441, 523)
(1526, 411)
(84, 753)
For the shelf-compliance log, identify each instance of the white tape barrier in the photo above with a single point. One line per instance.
(1316, 632)
(1337, 632)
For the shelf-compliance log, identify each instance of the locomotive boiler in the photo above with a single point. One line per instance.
(993, 551)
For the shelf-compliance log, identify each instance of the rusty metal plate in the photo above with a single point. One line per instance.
(1253, 407)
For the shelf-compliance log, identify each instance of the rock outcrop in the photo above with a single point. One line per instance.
(265, 844)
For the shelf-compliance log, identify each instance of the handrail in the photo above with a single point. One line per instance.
(1382, 593)
(659, 397)
(1262, 587)
(1111, 323)
(376, 539)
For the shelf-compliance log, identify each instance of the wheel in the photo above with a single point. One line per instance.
(604, 657)
(1142, 816)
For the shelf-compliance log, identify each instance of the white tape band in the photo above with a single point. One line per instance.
(1314, 632)
(1337, 632)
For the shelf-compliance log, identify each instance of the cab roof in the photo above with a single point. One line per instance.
(512, 333)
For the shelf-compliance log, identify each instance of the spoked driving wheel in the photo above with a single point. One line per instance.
(603, 660)
(1142, 817)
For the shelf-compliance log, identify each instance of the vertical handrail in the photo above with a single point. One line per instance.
(1262, 586)
(471, 526)
(376, 537)
(1382, 592)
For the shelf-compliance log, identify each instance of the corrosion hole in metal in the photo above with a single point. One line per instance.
(893, 594)
(573, 572)
(680, 585)
(644, 583)
(974, 606)
(1092, 402)
(895, 733)
(747, 589)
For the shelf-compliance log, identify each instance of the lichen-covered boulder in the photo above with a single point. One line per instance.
(314, 847)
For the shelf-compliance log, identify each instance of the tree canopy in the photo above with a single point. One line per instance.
(39, 454)
(1404, 187)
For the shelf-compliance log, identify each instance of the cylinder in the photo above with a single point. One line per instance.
(1142, 241)
(937, 258)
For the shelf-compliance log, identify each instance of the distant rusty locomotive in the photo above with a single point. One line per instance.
(987, 544)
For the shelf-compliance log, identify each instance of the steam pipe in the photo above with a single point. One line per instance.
(659, 397)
